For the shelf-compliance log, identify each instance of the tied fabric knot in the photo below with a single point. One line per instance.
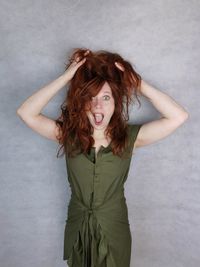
(90, 211)
(89, 241)
(90, 247)
(95, 246)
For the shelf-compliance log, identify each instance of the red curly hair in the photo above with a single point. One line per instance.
(99, 67)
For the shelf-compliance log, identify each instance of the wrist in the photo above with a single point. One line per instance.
(65, 78)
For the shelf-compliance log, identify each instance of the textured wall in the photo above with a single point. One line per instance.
(161, 38)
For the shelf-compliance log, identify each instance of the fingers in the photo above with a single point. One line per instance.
(87, 52)
(119, 66)
(83, 60)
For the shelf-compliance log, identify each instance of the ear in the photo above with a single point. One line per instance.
(119, 66)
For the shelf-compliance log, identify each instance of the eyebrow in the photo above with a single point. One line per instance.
(107, 92)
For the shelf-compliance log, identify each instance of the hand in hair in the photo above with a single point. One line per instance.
(74, 65)
(119, 66)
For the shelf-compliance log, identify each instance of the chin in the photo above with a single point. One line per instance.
(98, 127)
(102, 126)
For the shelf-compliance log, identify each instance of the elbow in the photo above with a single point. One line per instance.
(185, 116)
(182, 118)
(18, 112)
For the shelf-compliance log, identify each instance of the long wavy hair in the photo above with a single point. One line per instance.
(74, 126)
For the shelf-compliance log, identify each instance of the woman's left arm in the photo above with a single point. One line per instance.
(173, 115)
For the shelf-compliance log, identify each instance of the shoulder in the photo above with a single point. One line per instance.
(134, 128)
(133, 132)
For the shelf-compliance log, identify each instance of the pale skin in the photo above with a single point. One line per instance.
(173, 115)
(104, 103)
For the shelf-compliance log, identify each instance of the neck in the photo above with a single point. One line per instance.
(98, 135)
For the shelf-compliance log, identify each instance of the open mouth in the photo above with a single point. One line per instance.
(98, 117)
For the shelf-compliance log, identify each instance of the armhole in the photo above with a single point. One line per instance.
(134, 130)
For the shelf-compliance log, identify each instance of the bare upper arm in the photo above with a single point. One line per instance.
(156, 130)
(43, 125)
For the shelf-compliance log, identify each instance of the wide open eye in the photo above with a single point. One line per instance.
(106, 97)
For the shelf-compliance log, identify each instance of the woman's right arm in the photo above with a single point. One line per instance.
(30, 110)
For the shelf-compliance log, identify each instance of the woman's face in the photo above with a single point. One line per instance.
(102, 108)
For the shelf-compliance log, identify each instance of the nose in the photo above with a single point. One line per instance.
(97, 102)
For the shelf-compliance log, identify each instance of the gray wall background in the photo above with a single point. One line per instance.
(161, 38)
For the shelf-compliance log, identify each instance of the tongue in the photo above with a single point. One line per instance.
(98, 118)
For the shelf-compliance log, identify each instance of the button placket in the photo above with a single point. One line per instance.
(96, 177)
(96, 174)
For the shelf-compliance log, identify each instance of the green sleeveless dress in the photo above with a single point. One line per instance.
(97, 231)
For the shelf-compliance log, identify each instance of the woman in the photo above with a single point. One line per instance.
(98, 144)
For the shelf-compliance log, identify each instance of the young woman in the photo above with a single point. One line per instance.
(98, 144)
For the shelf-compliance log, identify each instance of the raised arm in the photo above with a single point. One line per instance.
(173, 116)
(30, 110)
